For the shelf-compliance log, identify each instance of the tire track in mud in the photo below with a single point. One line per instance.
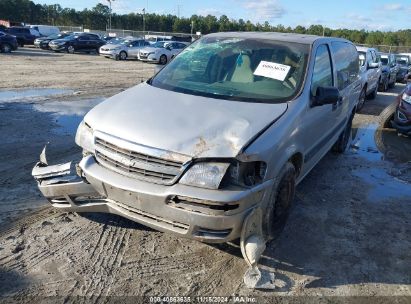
(106, 258)
(26, 263)
(28, 220)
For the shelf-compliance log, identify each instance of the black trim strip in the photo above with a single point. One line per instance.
(314, 150)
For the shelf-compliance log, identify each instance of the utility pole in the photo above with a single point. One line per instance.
(144, 20)
(109, 20)
(178, 10)
(192, 26)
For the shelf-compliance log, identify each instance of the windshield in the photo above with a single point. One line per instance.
(115, 41)
(402, 61)
(384, 60)
(159, 44)
(256, 70)
(55, 36)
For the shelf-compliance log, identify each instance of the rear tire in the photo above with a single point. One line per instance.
(361, 99)
(373, 95)
(342, 142)
(280, 202)
(6, 48)
(392, 85)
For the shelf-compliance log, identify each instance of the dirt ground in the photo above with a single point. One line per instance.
(349, 233)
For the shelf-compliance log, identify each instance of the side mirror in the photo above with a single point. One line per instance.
(373, 65)
(326, 95)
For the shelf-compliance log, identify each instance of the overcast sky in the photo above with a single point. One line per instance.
(352, 14)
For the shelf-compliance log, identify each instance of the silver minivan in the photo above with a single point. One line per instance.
(370, 73)
(222, 133)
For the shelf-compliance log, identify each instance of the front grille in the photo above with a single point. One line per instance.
(135, 164)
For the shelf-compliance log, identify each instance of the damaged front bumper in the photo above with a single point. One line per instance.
(212, 216)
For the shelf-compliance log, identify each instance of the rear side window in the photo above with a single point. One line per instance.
(346, 63)
(323, 73)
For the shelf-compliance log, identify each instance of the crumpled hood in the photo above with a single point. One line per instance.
(192, 125)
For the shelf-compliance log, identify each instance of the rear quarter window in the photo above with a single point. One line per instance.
(346, 63)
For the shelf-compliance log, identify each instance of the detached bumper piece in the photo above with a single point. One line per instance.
(61, 185)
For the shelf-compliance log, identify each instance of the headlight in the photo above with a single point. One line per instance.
(84, 137)
(246, 173)
(205, 175)
(406, 98)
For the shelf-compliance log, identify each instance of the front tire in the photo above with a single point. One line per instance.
(70, 49)
(123, 55)
(6, 48)
(280, 202)
(163, 59)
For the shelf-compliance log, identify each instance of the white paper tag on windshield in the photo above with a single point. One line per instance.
(272, 70)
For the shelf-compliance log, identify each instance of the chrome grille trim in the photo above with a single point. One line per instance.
(136, 164)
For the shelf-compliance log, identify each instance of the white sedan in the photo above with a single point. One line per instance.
(161, 51)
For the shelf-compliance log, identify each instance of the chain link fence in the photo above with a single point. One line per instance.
(389, 48)
(125, 33)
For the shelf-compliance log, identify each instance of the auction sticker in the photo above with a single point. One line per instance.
(272, 70)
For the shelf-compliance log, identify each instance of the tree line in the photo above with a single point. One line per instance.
(96, 18)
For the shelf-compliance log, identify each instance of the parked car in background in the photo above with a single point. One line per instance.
(404, 65)
(8, 42)
(370, 73)
(84, 42)
(128, 48)
(402, 115)
(43, 42)
(24, 35)
(161, 52)
(46, 30)
(389, 71)
(216, 142)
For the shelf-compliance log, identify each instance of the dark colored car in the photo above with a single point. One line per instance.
(24, 35)
(8, 43)
(43, 42)
(389, 71)
(83, 42)
(402, 115)
(404, 67)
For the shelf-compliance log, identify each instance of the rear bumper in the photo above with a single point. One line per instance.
(213, 216)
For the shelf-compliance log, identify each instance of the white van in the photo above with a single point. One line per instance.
(46, 30)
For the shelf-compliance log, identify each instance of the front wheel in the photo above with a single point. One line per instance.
(280, 202)
(6, 48)
(384, 85)
(342, 142)
(123, 55)
(163, 59)
(70, 49)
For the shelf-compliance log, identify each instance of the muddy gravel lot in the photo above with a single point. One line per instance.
(348, 236)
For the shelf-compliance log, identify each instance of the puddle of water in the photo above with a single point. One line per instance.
(67, 114)
(383, 186)
(10, 96)
(363, 143)
(375, 144)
